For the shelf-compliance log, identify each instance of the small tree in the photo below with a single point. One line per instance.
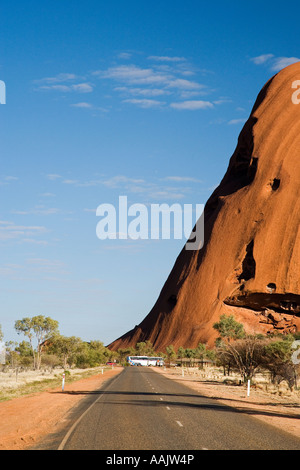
(39, 329)
(12, 356)
(236, 349)
(124, 352)
(66, 349)
(92, 354)
(229, 328)
(201, 352)
(149, 348)
(190, 354)
(144, 348)
(25, 354)
(171, 353)
(277, 360)
(245, 355)
(181, 354)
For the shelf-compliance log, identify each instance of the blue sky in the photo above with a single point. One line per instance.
(115, 98)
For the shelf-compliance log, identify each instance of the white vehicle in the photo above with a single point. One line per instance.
(145, 361)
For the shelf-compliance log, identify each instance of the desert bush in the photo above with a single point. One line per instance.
(277, 360)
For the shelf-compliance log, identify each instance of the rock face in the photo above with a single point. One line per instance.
(249, 265)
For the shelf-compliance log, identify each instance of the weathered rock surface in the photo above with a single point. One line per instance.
(249, 265)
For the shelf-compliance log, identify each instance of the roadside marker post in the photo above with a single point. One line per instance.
(248, 389)
(63, 383)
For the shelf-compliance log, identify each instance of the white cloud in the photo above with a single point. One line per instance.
(133, 74)
(53, 176)
(151, 189)
(182, 179)
(35, 242)
(82, 105)
(125, 55)
(237, 121)
(69, 181)
(275, 63)
(222, 101)
(144, 103)
(163, 78)
(48, 195)
(11, 178)
(80, 87)
(261, 59)
(61, 77)
(143, 91)
(63, 88)
(11, 231)
(186, 95)
(115, 181)
(38, 210)
(140, 85)
(192, 105)
(166, 58)
(165, 194)
(61, 82)
(184, 84)
(45, 264)
(7, 180)
(83, 88)
(282, 62)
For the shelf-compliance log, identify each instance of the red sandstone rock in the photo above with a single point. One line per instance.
(250, 261)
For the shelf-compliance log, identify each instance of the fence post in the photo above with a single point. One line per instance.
(248, 388)
(63, 383)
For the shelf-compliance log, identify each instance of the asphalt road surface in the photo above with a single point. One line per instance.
(143, 410)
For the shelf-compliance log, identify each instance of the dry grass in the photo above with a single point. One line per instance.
(14, 384)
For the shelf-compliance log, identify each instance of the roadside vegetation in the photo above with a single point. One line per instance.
(236, 353)
(44, 350)
(43, 355)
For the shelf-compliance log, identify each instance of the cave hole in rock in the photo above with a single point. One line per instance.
(292, 307)
(248, 265)
(275, 184)
(245, 167)
(271, 287)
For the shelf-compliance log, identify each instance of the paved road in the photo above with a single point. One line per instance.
(143, 410)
